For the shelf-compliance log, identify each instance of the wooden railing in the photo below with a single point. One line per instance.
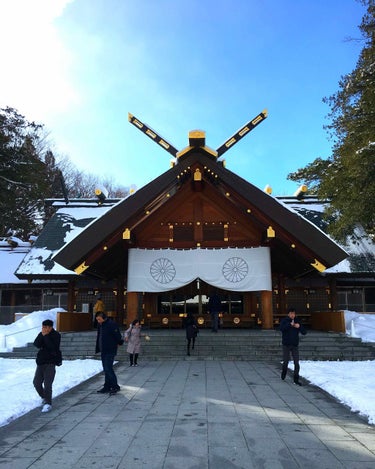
(321, 321)
(174, 321)
(73, 322)
(333, 321)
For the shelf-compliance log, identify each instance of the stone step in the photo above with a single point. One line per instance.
(227, 344)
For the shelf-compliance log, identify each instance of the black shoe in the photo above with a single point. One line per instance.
(297, 382)
(113, 391)
(103, 391)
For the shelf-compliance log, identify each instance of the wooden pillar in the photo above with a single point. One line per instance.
(333, 298)
(71, 296)
(282, 298)
(131, 307)
(247, 307)
(120, 300)
(198, 224)
(151, 304)
(267, 314)
(254, 303)
(13, 299)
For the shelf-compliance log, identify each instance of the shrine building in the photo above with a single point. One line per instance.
(196, 229)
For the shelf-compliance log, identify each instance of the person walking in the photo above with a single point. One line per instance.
(214, 308)
(107, 339)
(133, 338)
(192, 330)
(48, 356)
(99, 307)
(290, 328)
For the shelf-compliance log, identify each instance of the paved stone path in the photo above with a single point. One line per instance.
(191, 414)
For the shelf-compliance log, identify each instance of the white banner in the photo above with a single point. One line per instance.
(168, 269)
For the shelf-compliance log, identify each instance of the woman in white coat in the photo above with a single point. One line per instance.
(133, 338)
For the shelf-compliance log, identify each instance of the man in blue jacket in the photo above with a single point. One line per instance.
(107, 339)
(291, 328)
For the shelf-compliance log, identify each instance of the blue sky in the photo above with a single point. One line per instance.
(79, 67)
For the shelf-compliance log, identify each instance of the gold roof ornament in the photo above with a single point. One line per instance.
(268, 189)
(197, 138)
(248, 127)
(152, 134)
(81, 268)
(300, 192)
(318, 266)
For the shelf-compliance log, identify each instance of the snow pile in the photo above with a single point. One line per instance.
(24, 331)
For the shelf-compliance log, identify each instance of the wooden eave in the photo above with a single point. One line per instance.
(107, 230)
(102, 247)
(46, 277)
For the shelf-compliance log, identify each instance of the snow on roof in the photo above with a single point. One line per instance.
(359, 246)
(24, 259)
(63, 227)
(10, 259)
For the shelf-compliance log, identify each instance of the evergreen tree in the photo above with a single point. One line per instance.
(347, 177)
(29, 174)
(25, 179)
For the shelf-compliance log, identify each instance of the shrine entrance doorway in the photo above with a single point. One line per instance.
(174, 305)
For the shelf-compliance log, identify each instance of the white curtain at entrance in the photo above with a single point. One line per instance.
(169, 269)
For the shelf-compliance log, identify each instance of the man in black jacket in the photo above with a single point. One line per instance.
(214, 308)
(107, 339)
(291, 328)
(48, 343)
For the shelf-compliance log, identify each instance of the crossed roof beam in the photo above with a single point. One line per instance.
(197, 137)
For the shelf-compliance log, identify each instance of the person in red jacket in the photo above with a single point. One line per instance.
(290, 328)
(48, 343)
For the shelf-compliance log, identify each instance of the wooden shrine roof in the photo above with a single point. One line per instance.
(101, 248)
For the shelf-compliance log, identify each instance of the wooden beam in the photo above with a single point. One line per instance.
(244, 130)
(152, 135)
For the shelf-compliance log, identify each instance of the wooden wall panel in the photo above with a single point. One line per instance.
(198, 210)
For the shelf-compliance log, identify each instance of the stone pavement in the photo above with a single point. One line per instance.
(191, 414)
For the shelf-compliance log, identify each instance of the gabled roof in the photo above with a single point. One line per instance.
(67, 223)
(359, 246)
(12, 252)
(298, 242)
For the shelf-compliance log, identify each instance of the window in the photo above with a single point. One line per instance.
(213, 232)
(183, 233)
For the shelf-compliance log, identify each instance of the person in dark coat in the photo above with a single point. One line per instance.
(48, 356)
(290, 328)
(107, 339)
(192, 330)
(214, 308)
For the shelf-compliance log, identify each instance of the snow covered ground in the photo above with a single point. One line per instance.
(352, 383)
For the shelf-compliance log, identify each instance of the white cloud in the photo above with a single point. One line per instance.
(35, 63)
